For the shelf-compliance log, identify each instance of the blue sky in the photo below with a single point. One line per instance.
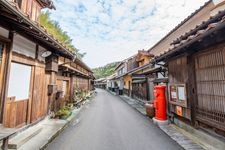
(112, 30)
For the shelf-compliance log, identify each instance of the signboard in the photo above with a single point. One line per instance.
(181, 93)
(173, 93)
(179, 111)
(177, 94)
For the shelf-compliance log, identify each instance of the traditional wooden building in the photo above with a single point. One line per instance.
(195, 62)
(29, 64)
(131, 64)
(120, 71)
(101, 83)
(140, 84)
(132, 76)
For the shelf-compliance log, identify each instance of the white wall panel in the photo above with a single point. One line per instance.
(19, 81)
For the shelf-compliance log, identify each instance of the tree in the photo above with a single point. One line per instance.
(54, 28)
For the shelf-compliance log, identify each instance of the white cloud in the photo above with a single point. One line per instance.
(112, 30)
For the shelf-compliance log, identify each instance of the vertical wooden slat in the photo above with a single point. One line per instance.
(6, 75)
(210, 75)
(40, 98)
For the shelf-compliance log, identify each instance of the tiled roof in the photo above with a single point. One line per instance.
(180, 24)
(80, 62)
(13, 7)
(42, 30)
(199, 31)
(47, 4)
(139, 68)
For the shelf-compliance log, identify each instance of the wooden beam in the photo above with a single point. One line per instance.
(33, 35)
(3, 39)
(7, 73)
(31, 91)
(36, 51)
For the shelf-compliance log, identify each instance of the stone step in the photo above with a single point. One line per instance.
(24, 137)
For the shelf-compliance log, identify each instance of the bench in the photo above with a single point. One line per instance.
(5, 133)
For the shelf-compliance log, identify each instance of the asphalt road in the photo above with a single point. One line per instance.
(108, 123)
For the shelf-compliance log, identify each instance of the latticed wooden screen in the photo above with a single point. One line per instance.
(210, 80)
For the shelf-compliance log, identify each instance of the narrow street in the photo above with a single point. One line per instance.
(108, 123)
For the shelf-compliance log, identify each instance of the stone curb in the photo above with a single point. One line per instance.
(60, 130)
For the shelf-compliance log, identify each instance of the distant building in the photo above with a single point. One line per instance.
(100, 83)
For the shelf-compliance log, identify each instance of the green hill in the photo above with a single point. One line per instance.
(105, 71)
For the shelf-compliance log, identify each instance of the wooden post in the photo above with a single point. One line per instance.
(29, 106)
(5, 143)
(6, 74)
(36, 51)
(51, 97)
(192, 94)
(52, 68)
(147, 88)
(71, 88)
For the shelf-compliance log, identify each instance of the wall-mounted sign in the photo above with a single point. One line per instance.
(181, 93)
(173, 93)
(177, 94)
(179, 110)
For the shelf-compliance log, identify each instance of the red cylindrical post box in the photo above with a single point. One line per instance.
(160, 102)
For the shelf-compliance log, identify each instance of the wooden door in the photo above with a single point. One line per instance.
(63, 84)
(16, 108)
(210, 84)
(39, 104)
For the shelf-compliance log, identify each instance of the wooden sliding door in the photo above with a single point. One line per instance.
(16, 108)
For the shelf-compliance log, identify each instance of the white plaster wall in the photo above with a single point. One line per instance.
(23, 46)
(4, 32)
(19, 81)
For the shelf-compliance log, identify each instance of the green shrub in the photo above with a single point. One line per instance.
(63, 113)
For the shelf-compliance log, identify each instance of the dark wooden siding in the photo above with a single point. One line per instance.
(131, 64)
(178, 74)
(15, 113)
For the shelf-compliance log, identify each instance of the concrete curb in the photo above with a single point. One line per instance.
(60, 130)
